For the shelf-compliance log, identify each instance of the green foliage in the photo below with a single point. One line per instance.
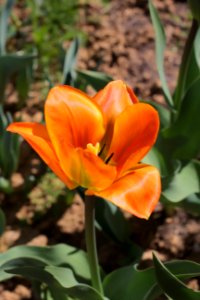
(192, 72)
(164, 113)
(59, 255)
(2, 221)
(9, 151)
(191, 204)
(3, 24)
(47, 192)
(184, 132)
(178, 144)
(189, 175)
(69, 72)
(160, 41)
(15, 68)
(113, 223)
(81, 78)
(64, 270)
(132, 283)
(155, 158)
(60, 267)
(49, 197)
(189, 70)
(197, 48)
(195, 8)
(52, 25)
(96, 79)
(170, 283)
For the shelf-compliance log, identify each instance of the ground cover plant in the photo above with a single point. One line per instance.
(126, 168)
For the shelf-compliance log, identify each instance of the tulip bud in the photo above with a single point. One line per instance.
(195, 9)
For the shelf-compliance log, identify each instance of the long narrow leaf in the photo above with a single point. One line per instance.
(4, 23)
(2, 221)
(171, 285)
(60, 279)
(69, 73)
(160, 42)
(58, 255)
(14, 64)
(96, 79)
(142, 284)
(184, 133)
(197, 47)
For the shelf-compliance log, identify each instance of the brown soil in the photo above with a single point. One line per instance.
(120, 43)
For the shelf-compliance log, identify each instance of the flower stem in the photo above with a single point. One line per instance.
(91, 243)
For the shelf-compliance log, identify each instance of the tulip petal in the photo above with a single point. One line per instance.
(137, 192)
(36, 135)
(72, 119)
(135, 132)
(88, 170)
(115, 98)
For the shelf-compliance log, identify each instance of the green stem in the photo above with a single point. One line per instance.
(185, 64)
(91, 243)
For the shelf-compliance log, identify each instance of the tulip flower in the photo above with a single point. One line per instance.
(98, 142)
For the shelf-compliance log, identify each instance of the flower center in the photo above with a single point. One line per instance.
(94, 149)
(98, 151)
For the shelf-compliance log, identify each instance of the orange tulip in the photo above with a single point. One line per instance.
(97, 143)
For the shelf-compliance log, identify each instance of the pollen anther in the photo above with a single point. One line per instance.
(94, 149)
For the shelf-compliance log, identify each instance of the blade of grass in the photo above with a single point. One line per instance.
(160, 43)
(4, 24)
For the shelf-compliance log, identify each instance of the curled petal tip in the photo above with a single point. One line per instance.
(137, 192)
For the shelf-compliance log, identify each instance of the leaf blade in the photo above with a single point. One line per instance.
(171, 285)
(160, 42)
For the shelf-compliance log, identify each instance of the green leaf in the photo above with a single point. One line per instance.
(5, 185)
(155, 158)
(128, 282)
(184, 135)
(197, 47)
(188, 71)
(23, 82)
(193, 71)
(59, 255)
(14, 64)
(184, 183)
(195, 9)
(2, 221)
(160, 41)
(69, 73)
(132, 283)
(97, 80)
(171, 285)
(112, 221)
(9, 149)
(4, 24)
(191, 204)
(59, 279)
(73, 288)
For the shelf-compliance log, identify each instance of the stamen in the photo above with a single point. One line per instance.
(109, 158)
(101, 151)
(93, 149)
